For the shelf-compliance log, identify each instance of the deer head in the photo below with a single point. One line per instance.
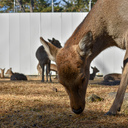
(71, 69)
(95, 70)
(9, 72)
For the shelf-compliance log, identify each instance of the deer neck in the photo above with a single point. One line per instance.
(11, 73)
(97, 23)
(94, 74)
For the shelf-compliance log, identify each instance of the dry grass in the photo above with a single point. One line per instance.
(34, 104)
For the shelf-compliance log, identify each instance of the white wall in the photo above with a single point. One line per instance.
(19, 40)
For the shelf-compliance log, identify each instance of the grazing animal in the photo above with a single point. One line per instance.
(39, 69)
(15, 76)
(52, 68)
(43, 59)
(2, 73)
(105, 25)
(92, 76)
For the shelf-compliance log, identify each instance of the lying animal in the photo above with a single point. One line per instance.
(15, 76)
(113, 76)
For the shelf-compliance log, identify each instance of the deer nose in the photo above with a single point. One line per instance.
(77, 111)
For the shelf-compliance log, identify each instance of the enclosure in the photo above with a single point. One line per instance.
(19, 40)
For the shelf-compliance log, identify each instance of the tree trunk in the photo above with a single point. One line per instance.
(21, 5)
(31, 5)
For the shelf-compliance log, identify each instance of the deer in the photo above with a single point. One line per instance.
(2, 73)
(104, 26)
(43, 58)
(52, 68)
(39, 69)
(15, 76)
(113, 76)
(92, 76)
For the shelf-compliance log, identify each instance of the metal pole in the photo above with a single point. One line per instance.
(52, 6)
(14, 5)
(90, 5)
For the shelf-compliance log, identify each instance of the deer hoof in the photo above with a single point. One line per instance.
(119, 109)
(109, 114)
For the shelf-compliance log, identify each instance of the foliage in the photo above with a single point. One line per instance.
(77, 5)
(46, 5)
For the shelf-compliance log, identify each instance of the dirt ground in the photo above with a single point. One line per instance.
(28, 104)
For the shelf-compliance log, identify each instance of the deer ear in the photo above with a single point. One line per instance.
(86, 45)
(49, 40)
(50, 49)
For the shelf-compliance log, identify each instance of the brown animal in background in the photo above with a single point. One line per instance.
(52, 68)
(2, 73)
(113, 76)
(15, 76)
(92, 76)
(39, 69)
(105, 25)
(43, 59)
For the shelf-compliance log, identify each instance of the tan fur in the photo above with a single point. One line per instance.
(2, 73)
(113, 76)
(9, 72)
(106, 25)
(52, 68)
(39, 69)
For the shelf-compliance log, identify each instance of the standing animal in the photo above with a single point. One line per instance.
(15, 76)
(105, 25)
(2, 73)
(43, 59)
(92, 76)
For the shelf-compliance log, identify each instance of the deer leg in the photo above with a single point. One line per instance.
(49, 70)
(46, 72)
(116, 106)
(42, 66)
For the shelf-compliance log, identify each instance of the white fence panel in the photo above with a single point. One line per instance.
(66, 26)
(25, 43)
(4, 40)
(34, 40)
(19, 40)
(14, 46)
(56, 26)
(46, 25)
(109, 61)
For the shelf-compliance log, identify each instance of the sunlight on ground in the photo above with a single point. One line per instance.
(31, 103)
